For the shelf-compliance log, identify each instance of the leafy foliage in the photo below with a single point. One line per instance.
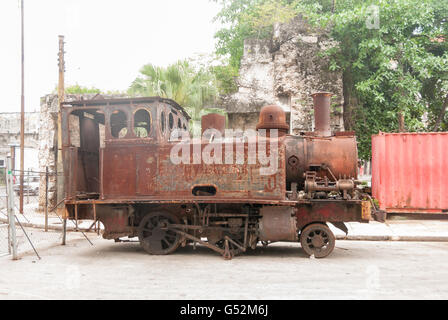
(77, 89)
(225, 78)
(2, 177)
(397, 69)
(248, 18)
(193, 87)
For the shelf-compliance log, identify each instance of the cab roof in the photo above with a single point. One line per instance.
(139, 100)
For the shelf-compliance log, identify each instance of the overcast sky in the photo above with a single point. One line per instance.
(107, 42)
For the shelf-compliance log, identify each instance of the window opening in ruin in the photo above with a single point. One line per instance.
(179, 123)
(118, 124)
(142, 123)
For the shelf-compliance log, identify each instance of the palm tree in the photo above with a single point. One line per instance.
(191, 87)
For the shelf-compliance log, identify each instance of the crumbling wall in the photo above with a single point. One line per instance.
(255, 86)
(48, 147)
(285, 70)
(243, 121)
(300, 70)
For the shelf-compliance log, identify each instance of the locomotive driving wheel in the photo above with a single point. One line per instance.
(155, 237)
(318, 240)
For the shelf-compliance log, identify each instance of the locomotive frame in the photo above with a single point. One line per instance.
(117, 171)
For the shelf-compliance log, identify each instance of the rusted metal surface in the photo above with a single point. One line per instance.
(331, 211)
(322, 186)
(127, 102)
(409, 172)
(317, 240)
(148, 171)
(278, 224)
(321, 102)
(123, 174)
(273, 117)
(213, 121)
(89, 154)
(366, 213)
(339, 154)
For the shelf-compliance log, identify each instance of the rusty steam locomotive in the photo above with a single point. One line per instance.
(117, 156)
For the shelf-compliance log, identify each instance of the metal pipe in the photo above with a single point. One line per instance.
(59, 164)
(28, 187)
(321, 102)
(64, 231)
(94, 215)
(46, 199)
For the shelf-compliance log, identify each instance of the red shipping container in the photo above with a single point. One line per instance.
(410, 172)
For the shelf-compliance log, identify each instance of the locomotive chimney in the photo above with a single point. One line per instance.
(273, 117)
(322, 113)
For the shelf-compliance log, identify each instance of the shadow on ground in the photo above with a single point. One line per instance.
(275, 251)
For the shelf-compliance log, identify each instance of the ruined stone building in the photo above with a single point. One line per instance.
(10, 136)
(285, 70)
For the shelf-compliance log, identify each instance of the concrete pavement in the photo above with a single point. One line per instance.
(108, 270)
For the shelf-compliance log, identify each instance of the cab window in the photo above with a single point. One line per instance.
(142, 123)
(118, 124)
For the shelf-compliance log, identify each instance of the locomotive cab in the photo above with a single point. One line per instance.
(94, 127)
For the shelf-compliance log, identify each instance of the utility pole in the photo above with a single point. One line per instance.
(22, 114)
(59, 166)
(10, 204)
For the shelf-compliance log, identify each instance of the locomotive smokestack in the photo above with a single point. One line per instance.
(322, 113)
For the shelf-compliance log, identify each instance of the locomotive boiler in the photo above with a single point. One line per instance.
(127, 166)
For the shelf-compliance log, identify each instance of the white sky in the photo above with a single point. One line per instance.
(107, 42)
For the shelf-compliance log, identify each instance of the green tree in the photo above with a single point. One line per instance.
(193, 87)
(248, 18)
(225, 78)
(77, 89)
(394, 74)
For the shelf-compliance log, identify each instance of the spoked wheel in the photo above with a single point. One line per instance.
(318, 240)
(230, 249)
(154, 235)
